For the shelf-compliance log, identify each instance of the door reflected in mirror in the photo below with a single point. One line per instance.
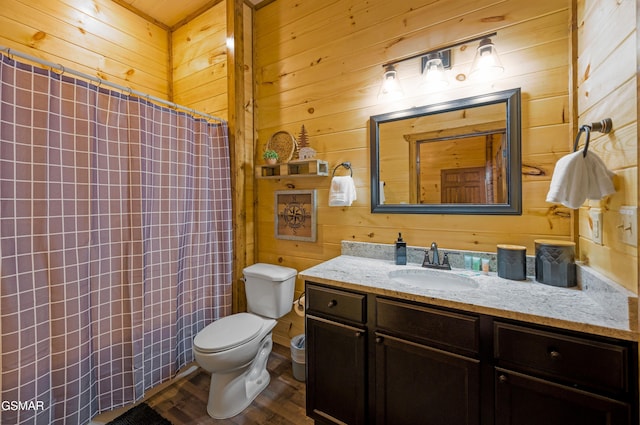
(452, 158)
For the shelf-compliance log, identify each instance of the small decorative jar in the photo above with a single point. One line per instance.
(555, 262)
(512, 262)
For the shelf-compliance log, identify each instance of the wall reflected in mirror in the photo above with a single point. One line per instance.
(460, 164)
(455, 157)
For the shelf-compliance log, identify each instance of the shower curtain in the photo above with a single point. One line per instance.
(115, 240)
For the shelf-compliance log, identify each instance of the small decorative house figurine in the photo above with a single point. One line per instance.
(304, 150)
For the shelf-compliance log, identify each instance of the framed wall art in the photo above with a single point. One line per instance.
(295, 215)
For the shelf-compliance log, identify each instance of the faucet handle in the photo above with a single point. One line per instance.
(445, 259)
(426, 260)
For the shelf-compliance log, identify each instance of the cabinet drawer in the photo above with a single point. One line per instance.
(336, 303)
(444, 329)
(575, 360)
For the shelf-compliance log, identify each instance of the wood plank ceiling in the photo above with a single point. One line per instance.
(170, 13)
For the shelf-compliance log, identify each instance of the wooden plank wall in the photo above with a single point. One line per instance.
(98, 38)
(247, 216)
(318, 64)
(200, 62)
(204, 81)
(607, 87)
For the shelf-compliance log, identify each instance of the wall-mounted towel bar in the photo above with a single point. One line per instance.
(603, 126)
(346, 165)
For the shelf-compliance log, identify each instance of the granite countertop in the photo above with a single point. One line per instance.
(527, 300)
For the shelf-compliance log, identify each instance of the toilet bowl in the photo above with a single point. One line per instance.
(235, 349)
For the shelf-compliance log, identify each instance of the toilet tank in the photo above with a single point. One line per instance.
(269, 289)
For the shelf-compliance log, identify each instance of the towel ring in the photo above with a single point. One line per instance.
(603, 126)
(346, 165)
(584, 129)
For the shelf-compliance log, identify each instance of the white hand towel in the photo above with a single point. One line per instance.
(576, 178)
(342, 192)
(600, 178)
(569, 181)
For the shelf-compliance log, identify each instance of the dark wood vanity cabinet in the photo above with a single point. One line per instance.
(426, 365)
(336, 350)
(559, 378)
(384, 361)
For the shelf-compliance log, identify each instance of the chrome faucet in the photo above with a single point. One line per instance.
(436, 255)
(434, 262)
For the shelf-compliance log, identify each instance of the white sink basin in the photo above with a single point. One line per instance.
(432, 279)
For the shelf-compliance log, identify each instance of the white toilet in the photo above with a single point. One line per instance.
(235, 349)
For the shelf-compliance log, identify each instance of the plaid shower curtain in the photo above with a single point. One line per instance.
(115, 240)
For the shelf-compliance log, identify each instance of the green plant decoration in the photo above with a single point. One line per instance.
(270, 154)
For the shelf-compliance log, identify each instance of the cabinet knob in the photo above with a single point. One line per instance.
(332, 303)
(379, 339)
(555, 355)
(503, 379)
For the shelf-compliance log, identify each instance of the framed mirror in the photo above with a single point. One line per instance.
(457, 157)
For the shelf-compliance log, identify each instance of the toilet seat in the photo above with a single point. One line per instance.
(228, 332)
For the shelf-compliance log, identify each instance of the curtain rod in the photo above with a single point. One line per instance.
(56, 66)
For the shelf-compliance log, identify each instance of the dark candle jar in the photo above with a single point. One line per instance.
(555, 262)
(512, 262)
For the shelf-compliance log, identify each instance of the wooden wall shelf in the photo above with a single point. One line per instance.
(297, 168)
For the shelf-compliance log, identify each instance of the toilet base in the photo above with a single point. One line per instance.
(230, 393)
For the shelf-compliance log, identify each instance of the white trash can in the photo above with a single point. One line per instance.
(298, 357)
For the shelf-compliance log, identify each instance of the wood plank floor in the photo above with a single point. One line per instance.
(281, 403)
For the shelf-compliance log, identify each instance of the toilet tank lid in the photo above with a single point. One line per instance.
(270, 272)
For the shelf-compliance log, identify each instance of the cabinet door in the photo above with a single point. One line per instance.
(336, 372)
(525, 400)
(416, 384)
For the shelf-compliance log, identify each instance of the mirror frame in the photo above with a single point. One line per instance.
(514, 158)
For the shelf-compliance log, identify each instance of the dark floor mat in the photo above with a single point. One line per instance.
(141, 414)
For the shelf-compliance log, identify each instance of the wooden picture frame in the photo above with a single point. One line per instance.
(295, 215)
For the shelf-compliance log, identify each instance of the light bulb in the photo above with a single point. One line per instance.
(434, 76)
(391, 88)
(486, 63)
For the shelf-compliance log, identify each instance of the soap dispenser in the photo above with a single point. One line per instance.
(401, 251)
